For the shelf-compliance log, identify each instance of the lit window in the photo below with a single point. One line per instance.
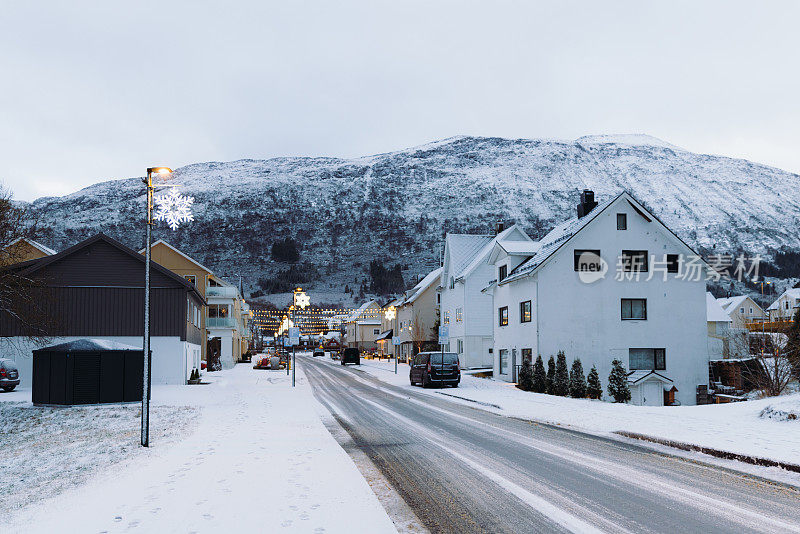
(525, 311)
(459, 315)
(446, 318)
(503, 316)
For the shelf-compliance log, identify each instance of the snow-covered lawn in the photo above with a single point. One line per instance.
(735, 427)
(47, 450)
(251, 454)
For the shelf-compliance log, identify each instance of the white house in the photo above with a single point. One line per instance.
(363, 326)
(415, 315)
(719, 329)
(464, 307)
(784, 308)
(742, 310)
(611, 283)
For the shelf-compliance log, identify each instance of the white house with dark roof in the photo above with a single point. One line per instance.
(577, 290)
(464, 307)
(742, 310)
(785, 306)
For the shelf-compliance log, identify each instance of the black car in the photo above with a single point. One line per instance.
(351, 355)
(9, 375)
(435, 368)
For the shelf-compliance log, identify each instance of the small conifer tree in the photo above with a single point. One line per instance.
(550, 378)
(594, 389)
(525, 379)
(561, 384)
(539, 376)
(577, 380)
(618, 383)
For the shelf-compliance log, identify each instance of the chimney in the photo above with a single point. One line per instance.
(499, 227)
(587, 203)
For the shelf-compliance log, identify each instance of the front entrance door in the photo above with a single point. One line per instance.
(652, 393)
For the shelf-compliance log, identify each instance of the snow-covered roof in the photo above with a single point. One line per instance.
(791, 293)
(35, 244)
(729, 304)
(519, 247)
(360, 311)
(90, 345)
(369, 321)
(554, 239)
(463, 248)
(714, 312)
(484, 253)
(430, 278)
(640, 375)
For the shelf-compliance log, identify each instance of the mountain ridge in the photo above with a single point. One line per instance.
(396, 206)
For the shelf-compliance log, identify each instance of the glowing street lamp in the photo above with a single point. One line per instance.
(174, 209)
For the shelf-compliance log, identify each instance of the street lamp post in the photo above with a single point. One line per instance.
(148, 181)
(174, 209)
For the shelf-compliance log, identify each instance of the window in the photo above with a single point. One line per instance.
(452, 283)
(527, 354)
(460, 346)
(634, 309)
(673, 263)
(191, 278)
(503, 315)
(446, 318)
(647, 359)
(741, 310)
(525, 311)
(459, 315)
(376, 331)
(587, 260)
(751, 310)
(218, 310)
(502, 272)
(503, 361)
(622, 221)
(438, 298)
(634, 261)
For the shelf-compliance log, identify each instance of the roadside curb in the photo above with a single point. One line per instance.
(754, 460)
(470, 400)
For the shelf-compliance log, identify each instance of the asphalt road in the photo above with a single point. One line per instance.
(461, 469)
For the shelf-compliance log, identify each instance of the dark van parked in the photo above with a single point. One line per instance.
(351, 355)
(435, 369)
(9, 375)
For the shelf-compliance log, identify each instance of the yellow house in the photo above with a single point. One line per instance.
(23, 249)
(225, 320)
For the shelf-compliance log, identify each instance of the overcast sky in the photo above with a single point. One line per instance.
(93, 90)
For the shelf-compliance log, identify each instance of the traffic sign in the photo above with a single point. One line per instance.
(395, 341)
(294, 335)
(444, 334)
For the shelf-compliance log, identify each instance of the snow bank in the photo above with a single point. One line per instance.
(737, 427)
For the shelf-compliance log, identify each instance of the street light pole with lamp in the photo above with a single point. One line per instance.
(390, 314)
(174, 209)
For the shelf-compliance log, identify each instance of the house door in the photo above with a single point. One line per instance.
(652, 393)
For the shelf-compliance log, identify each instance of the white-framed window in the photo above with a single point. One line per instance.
(459, 315)
(376, 331)
(503, 361)
(446, 317)
(452, 283)
(741, 310)
(460, 346)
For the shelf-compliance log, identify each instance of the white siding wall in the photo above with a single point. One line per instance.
(584, 319)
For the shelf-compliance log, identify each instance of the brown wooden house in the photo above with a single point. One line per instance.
(95, 289)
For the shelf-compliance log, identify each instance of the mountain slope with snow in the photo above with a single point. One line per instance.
(396, 206)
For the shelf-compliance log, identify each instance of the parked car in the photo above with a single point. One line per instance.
(319, 352)
(435, 368)
(351, 355)
(9, 374)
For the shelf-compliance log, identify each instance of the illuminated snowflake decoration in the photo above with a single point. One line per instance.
(174, 208)
(390, 313)
(301, 300)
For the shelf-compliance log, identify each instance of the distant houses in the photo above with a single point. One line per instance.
(742, 310)
(785, 306)
(464, 307)
(363, 326)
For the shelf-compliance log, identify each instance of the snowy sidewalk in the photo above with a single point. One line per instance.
(734, 427)
(261, 460)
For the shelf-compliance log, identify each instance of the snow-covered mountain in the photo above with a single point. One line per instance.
(396, 206)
